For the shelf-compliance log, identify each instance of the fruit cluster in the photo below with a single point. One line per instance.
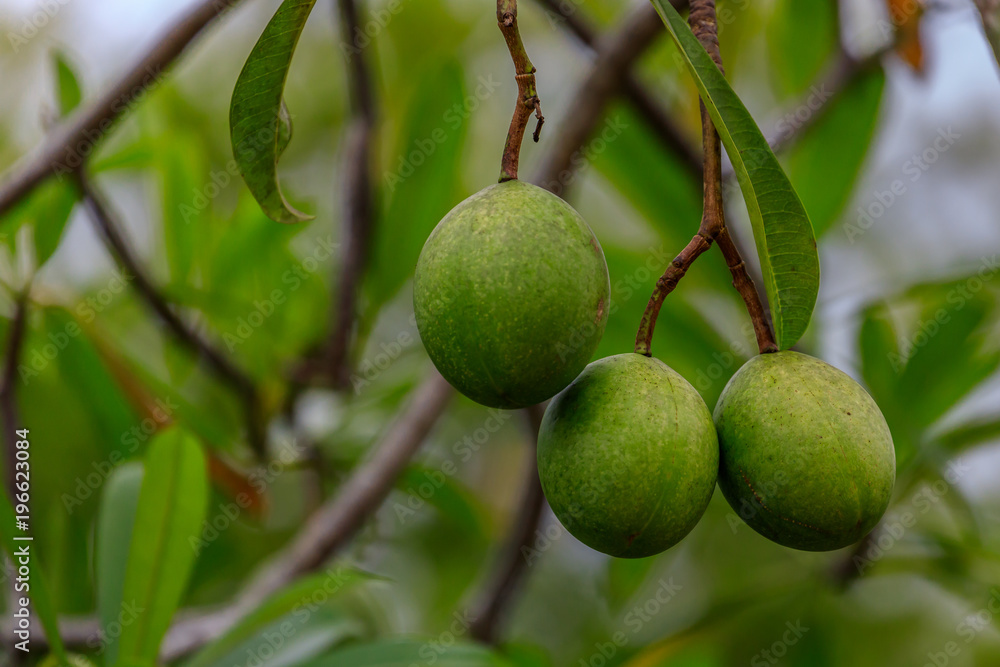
(628, 452)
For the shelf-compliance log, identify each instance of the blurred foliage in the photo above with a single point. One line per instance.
(100, 379)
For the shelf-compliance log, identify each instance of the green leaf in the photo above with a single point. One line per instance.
(259, 122)
(46, 211)
(782, 231)
(801, 36)
(825, 162)
(115, 520)
(38, 591)
(945, 360)
(297, 596)
(172, 505)
(69, 93)
(407, 652)
(970, 435)
(420, 180)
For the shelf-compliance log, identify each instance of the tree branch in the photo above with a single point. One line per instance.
(359, 199)
(647, 106)
(615, 54)
(330, 527)
(243, 385)
(8, 390)
(509, 568)
(527, 93)
(66, 149)
(713, 222)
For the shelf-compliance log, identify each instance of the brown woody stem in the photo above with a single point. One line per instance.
(713, 220)
(527, 94)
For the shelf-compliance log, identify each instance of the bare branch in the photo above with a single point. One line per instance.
(509, 568)
(615, 55)
(359, 199)
(110, 231)
(527, 92)
(66, 149)
(648, 107)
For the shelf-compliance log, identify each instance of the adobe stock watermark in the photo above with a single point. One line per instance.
(161, 414)
(363, 36)
(452, 119)
(419, 494)
(227, 513)
(968, 629)
(582, 158)
(38, 359)
(32, 24)
(913, 168)
(895, 525)
(634, 621)
(128, 614)
(322, 251)
(270, 641)
(773, 654)
(957, 298)
(75, 155)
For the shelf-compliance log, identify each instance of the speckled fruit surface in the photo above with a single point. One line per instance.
(806, 456)
(511, 295)
(627, 456)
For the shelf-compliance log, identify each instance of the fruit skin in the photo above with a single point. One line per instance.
(627, 456)
(511, 295)
(806, 456)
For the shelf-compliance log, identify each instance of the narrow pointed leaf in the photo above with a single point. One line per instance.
(260, 124)
(172, 504)
(784, 236)
(113, 536)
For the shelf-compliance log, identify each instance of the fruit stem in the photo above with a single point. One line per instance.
(527, 94)
(713, 220)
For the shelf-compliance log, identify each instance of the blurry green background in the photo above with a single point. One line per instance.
(908, 306)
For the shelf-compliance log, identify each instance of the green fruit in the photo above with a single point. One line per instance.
(807, 458)
(511, 295)
(628, 457)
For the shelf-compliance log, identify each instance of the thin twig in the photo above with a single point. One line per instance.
(508, 571)
(615, 54)
(527, 93)
(713, 222)
(359, 199)
(110, 231)
(66, 148)
(647, 106)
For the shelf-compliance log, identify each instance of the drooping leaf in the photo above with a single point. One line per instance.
(331, 583)
(420, 181)
(826, 160)
(172, 504)
(22, 554)
(259, 121)
(784, 236)
(115, 520)
(802, 36)
(46, 211)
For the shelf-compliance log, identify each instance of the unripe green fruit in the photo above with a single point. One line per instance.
(627, 456)
(511, 295)
(806, 456)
